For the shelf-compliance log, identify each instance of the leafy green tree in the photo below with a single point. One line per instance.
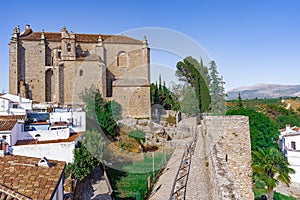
(99, 110)
(160, 94)
(270, 166)
(282, 120)
(94, 142)
(263, 132)
(115, 109)
(196, 74)
(88, 96)
(104, 117)
(83, 163)
(216, 90)
(188, 103)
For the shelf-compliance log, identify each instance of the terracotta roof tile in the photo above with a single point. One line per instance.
(84, 38)
(25, 178)
(73, 137)
(8, 122)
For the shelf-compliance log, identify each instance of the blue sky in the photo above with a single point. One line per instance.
(251, 41)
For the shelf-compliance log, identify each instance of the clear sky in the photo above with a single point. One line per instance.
(252, 41)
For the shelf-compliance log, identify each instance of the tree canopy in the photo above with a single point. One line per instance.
(216, 90)
(196, 74)
(160, 94)
(270, 166)
(105, 113)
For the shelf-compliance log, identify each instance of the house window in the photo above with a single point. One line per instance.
(68, 47)
(80, 72)
(4, 137)
(59, 54)
(15, 105)
(293, 145)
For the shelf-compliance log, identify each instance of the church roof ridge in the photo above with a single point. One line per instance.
(82, 37)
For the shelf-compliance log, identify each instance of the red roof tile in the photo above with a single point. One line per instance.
(9, 194)
(84, 38)
(8, 122)
(73, 137)
(22, 175)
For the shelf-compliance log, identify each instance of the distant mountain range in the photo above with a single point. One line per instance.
(264, 91)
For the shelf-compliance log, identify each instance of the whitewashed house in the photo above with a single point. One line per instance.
(35, 135)
(289, 144)
(14, 105)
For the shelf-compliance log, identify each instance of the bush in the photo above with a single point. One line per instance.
(137, 135)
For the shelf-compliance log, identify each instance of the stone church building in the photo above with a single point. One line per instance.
(55, 67)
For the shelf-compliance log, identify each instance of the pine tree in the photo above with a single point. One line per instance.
(191, 71)
(216, 90)
(240, 101)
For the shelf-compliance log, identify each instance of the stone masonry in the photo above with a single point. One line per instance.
(220, 167)
(228, 150)
(56, 67)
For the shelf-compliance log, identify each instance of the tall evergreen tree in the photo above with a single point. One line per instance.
(216, 89)
(191, 71)
(240, 101)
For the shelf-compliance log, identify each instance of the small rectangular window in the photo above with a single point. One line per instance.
(293, 145)
(15, 105)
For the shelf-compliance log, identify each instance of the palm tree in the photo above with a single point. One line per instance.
(270, 166)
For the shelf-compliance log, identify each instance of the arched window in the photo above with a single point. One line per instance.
(122, 59)
(68, 47)
(80, 72)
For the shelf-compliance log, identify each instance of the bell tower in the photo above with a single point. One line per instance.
(67, 45)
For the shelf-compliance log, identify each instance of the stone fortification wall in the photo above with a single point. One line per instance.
(228, 147)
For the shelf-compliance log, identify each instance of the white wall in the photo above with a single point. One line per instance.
(15, 133)
(289, 139)
(79, 119)
(4, 104)
(59, 193)
(45, 134)
(293, 156)
(53, 151)
(294, 160)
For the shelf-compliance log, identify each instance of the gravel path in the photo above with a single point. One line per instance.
(198, 180)
(92, 187)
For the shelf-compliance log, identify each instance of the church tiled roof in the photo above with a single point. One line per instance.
(21, 175)
(84, 38)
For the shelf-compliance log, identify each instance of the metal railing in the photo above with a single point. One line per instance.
(181, 179)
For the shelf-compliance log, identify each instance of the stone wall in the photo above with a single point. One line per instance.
(229, 156)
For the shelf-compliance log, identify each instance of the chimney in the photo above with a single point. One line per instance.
(288, 128)
(43, 162)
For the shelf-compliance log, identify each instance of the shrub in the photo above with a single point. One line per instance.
(138, 135)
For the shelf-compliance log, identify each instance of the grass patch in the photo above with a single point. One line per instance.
(131, 183)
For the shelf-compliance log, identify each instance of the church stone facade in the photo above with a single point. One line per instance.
(55, 67)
